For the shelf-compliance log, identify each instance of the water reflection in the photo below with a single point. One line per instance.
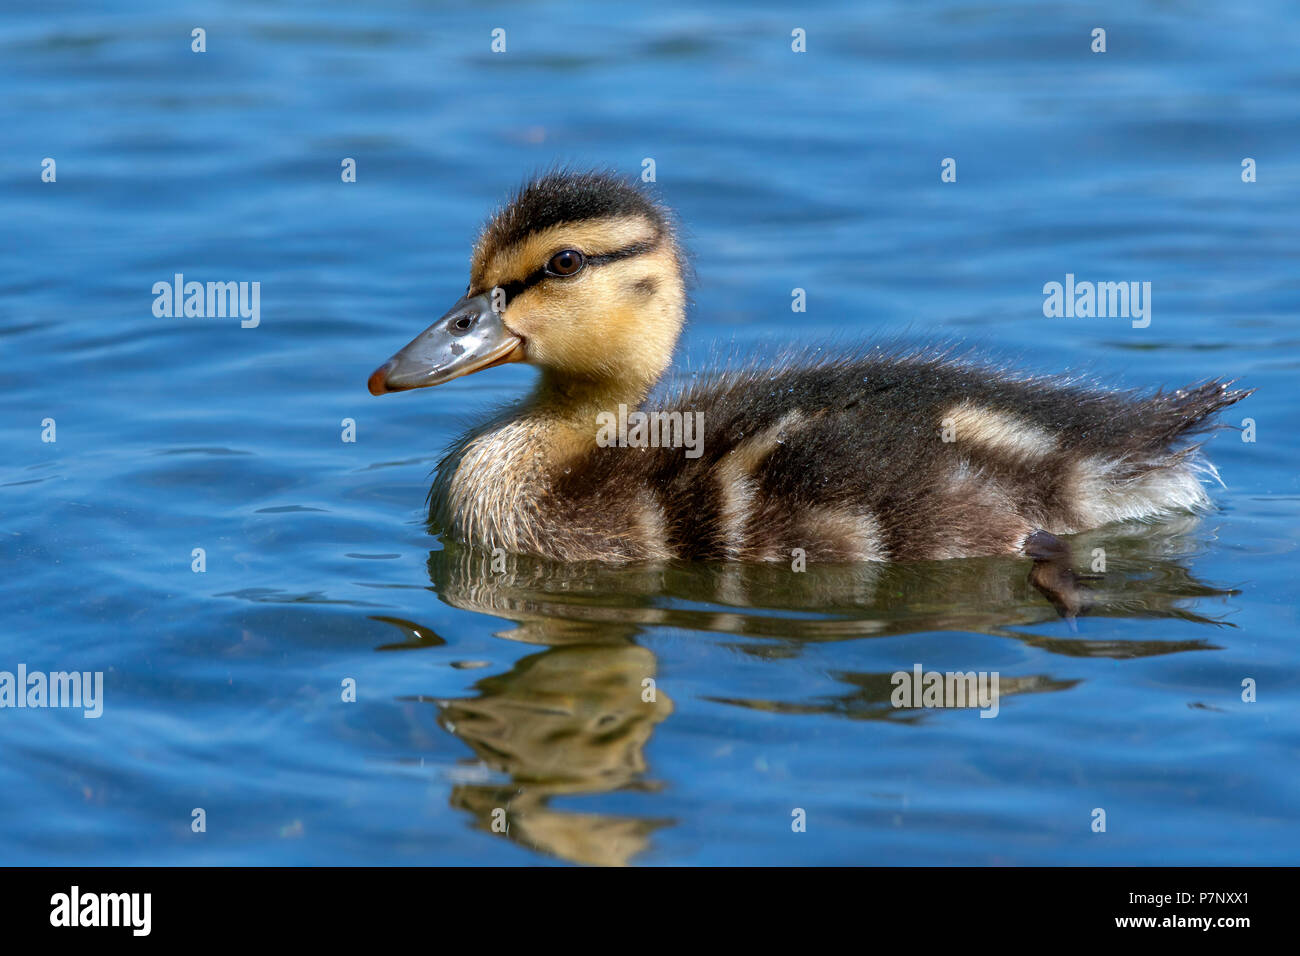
(551, 603)
(569, 720)
(574, 718)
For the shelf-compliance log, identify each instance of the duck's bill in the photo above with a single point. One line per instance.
(469, 338)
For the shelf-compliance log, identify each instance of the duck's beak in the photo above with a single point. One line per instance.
(470, 337)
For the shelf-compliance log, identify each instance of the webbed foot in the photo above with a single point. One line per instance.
(1054, 577)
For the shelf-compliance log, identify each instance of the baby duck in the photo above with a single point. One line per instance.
(884, 456)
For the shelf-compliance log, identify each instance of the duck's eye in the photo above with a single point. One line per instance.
(566, 263)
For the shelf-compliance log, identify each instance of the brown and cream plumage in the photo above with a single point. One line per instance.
(887, 455)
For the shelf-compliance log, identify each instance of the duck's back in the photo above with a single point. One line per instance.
(886, 457)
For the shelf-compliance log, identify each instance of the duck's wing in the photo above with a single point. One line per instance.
(903, 457)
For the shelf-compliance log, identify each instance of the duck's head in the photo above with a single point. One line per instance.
(580, 275)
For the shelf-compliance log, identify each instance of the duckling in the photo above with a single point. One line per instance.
(884, 455)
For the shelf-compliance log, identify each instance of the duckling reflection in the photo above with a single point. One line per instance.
(556, 603)
(569, 720)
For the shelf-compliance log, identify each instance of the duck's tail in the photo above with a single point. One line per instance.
(1166, 418)
(1152, 471)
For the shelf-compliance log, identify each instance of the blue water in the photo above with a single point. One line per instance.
(521, 692)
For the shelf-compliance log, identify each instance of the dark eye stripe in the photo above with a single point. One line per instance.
(519, 286)
(627, 252)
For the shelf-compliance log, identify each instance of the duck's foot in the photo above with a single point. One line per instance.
(1054, 576)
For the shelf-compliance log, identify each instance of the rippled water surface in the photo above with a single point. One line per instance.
(522, 690)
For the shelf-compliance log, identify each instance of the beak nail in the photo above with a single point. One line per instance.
(378, 383)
